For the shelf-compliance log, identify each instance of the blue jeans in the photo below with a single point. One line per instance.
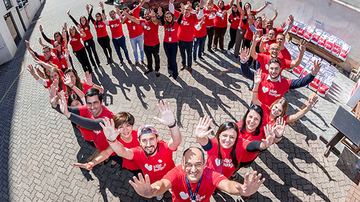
(198, 42)
(171, 51)
(120, 42)
(186, 46)
(138, 42)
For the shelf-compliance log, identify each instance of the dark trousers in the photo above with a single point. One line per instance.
(90, 48)
(186, 46)
(120, 42)
(210, 37)
(198, 43)
(232, 38)
(171, 51)
(219, 37)
(238, 41)
(247, 44)
(152, 51)
(117, 159)
(83, 59)
(105, 45)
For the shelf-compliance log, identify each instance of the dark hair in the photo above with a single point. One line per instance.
(73, 97)
(237, 13)
(202, 152)
(92, 92)
(275, 60)
(58, 53)
(77, 82)
(57, 71)
(248, 4)
(223, 127)
(123, 117)
(61, 37)
(173, 19)
(258, 110)
(281, 34)
(47, 47)
(97, 20)
(86, 23)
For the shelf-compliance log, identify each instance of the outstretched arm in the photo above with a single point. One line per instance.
(201, 131)
(262, 8)
(98, 159)
(250, 186)
(297, 83)
(257, 81)
(290, 24)
(168, 119)
(302, 49)
(256, 39)
(302, 112)
(245, 69)
(144, 188)
(132, 18)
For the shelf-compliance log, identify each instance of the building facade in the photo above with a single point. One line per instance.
(16, 17)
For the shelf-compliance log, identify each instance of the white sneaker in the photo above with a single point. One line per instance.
(228, 52)
(159, 197)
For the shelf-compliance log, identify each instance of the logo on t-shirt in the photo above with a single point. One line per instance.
(185, 23)
(274, 93)
(97, 132)
(74, 39)
(149, 167)
(266, 66)
(217, 162)
(147, 27)
(265, 89)
(184, 195)
(114, 25)
(226, 162)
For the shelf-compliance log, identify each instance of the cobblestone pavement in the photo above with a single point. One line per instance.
(38, 145)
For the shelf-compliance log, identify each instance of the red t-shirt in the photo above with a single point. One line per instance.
(53, 41)
(62, 59)
(84, 112)
(87, 31)
(248, 34)
(52, 60)
(100, 28)
(284, 53)
(207, 13)
(128, 164)
(264, 59)
(155, 166)
(200, 33)
(224, 166)
(85, 88)
(247, 138)
(134, 29)
(76, 43)
(267, 118)
(151, 32)
(277, 31)
(49, 82)
(116, 28)
(209, 182)
(170, 35)
(221, 21)
(235, 21)
(267, 45)
(270, 91)
(186, 29)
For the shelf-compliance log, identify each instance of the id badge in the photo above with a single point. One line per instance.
(86, 44)
(169, 39)
(134, 27)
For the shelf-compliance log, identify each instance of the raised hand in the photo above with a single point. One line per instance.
(68, 12)
(63, 104)
(143, 187)
(167, 115)
(40, 41)
(312, 102)
(256, 37)
(101, 4)
(87, 7)
(88, 79)
(109, 129)
(251, 185)
(283, 25)
(279, 128)
(257, 77)
(267, 3)
(160, 11)
(41, 28)
(53, 95)
(31, 70)
(316, 68)
(152, 13)
(270, 136)
(78, 27)
(86, 166)
(302, 46)
(103, 16)
(27, 44)
(67, 80)
(291, 19)
(244, 54)
(66, 54)
(201, 130)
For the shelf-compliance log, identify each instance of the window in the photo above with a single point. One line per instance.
(7, 4)
(22, 3)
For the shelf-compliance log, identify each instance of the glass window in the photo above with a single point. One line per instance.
(22, 3)
(7, 4)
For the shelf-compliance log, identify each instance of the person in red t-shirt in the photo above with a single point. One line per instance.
(117, 34)
(82, 85)
(61, 38)
(88, 39)
(153, 156)
(220, 23)
(78, 47)
(274, 50)
(151, 38)
(135, 32)
(171, 40)
(209, 11)
(185, 33)
(62, 54)
(47, 57)
(234, 19)
(193, 181)
(266, 41)
(200, 34)
(102, 35)
(270, 22)
(55, 77)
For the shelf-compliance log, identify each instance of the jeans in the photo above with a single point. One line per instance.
(186, 46)
(198, 42)
(152, 51)
(210, 37)
(135, 43)
(232, 37)
(171, 51)
(120, 42)
(90, 48)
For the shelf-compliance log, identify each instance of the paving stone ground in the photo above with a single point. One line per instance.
(38, 145)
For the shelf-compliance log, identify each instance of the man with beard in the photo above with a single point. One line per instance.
(193, 181)
(273, 86)
(151, 38)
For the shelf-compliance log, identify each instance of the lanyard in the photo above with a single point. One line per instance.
(169, 28)
(193, 196)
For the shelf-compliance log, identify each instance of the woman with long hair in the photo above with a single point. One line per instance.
(234, 19)
(54, 77)
(83, 85)
(88, 39)
(220, 23)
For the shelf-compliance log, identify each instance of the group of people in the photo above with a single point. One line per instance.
(142, 151)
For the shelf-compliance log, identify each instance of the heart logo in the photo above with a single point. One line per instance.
(160, 161)
(217, 162)
(264, 89)
(149, 167)
(266, 66)
(184, 195)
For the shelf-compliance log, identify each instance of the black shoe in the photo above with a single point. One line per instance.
(195, 62)
(147, 71)
(211, 51)
(130, 63)
(201, 59)
(157, 73)
(121, 63)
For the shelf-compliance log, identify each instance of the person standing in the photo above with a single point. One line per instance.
(220, 23)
